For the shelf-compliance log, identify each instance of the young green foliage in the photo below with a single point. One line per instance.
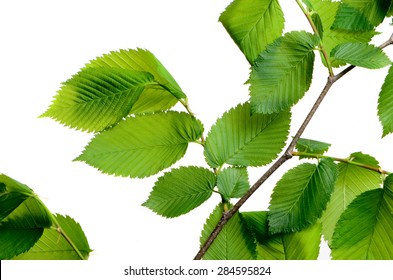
(301, 245)
(282, 73)
(385, 104)
(233, 242)
(179, 191)
(365, 228)
(352, 181)
(263, 24)
(24, 225)
(301, 195)
(233, 182)
(143, 145)
(360, 54)
(241, 139)
(312, 146)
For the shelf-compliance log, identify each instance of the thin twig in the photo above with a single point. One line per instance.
(280, 161)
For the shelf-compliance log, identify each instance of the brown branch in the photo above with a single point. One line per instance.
(226, 216)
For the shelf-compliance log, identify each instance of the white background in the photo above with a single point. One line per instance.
(43, 43)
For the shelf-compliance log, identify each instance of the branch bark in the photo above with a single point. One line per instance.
(280, 161)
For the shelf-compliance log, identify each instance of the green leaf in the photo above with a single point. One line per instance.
(360, 54)
(53, 246)
(365, 229)
(179, 191)
(302, 245)
(143, 145)
(253, 24)
(351, 182)
(241, 139)
(232, 243)
(327, 10)
(12, 194)
(301, 195)
(318, 24)
(21, 229)
(361, 15)
(233, 182)
(97, 98)
(385, 104)
(312, 146)
(283, 72)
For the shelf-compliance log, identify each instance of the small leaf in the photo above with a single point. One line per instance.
(365, 229)
(361, 15)
(318, 24)
(53, 246)
(312, 146)
(97, 98)
(143, 145)
(232, 243)
(360, 54)
(241, 139)
(301, 195)
(302, 245)
(253, 25)
(21, 229)
(327, 10)
(233, 182)
(352, 181)
(385, 104)
(283, 72)
(179, 191)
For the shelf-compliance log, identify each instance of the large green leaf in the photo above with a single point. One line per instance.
(97, 98)
(361, 15)
(283, 72)
(179, 191)
(360, 54)
(12, 194)
(302, 245)
(22, 228)
(301, 195)
(327, 10)
(241, 139)
(232, 243)
(365, 229)
(53, 246)
(351, 182)
(143, 145)
(253, 24)
(385, 104)
(233, 182)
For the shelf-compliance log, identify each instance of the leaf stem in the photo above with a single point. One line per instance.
(288, 154)
(315, 29)
(344, 160)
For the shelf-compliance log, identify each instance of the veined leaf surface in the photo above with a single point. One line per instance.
(53, 246)
(97, 98)
(232, 243)
(352, 181)
(282, 73)
(179, 191)
(252, 33)
(362, 15)
(241, 139)
(302, 245)
(301, 195)
(360, 54)
(385, 104)
(143, 145)
(327, 10)
(365, 229)
(312, 146)
(22, 228)
(233, 182)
